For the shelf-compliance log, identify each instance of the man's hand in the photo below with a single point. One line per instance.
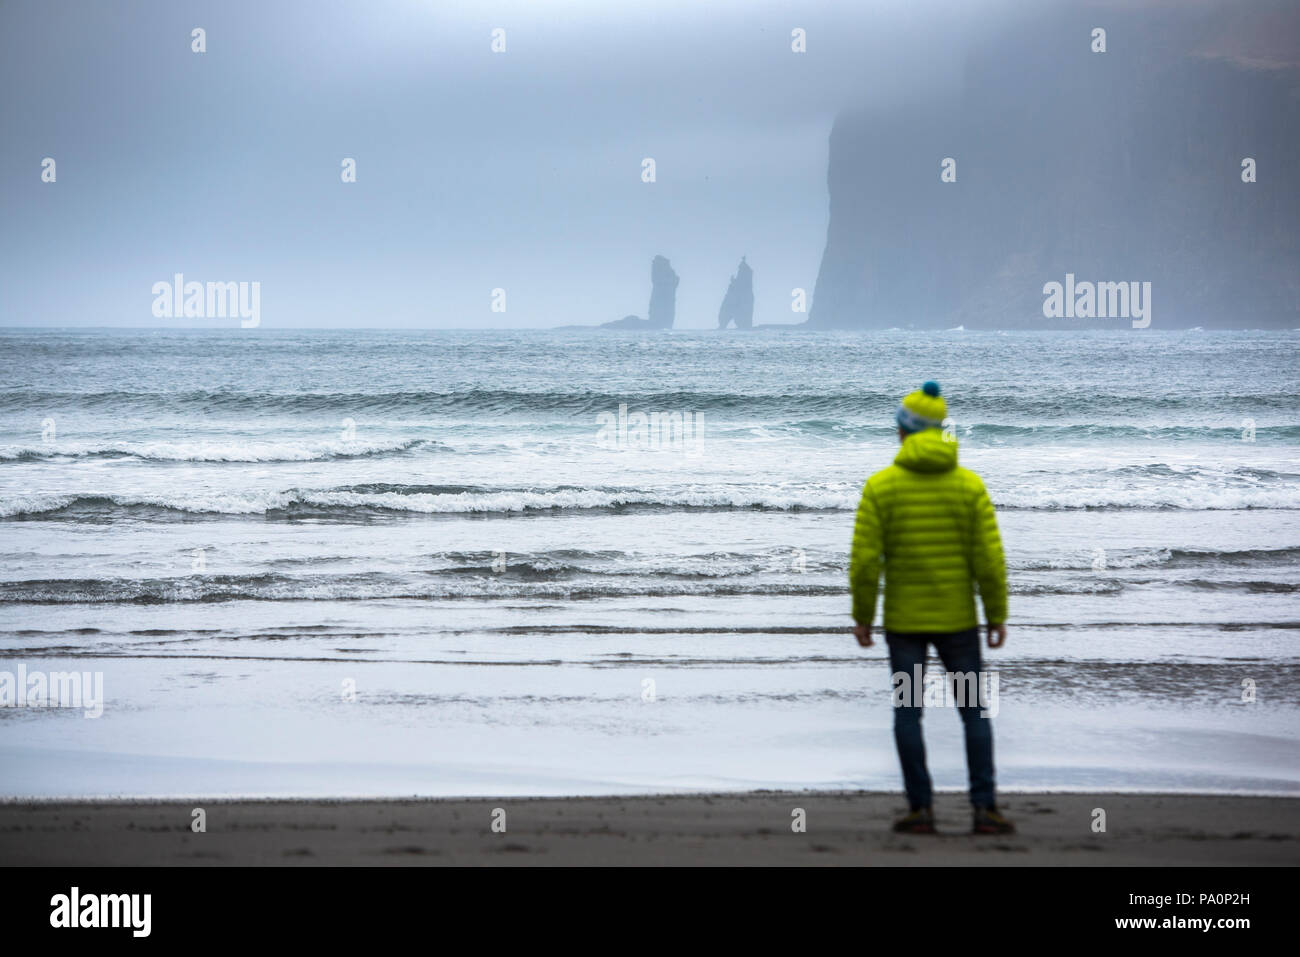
(997, 635)
(863, 634)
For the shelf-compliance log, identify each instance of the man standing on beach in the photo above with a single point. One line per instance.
(930, 526)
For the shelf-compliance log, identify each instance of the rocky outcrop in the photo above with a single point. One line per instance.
(1123, 166)
(663, 294)
(663, 300)
(738, 303)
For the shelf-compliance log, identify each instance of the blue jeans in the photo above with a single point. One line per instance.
(960, 653)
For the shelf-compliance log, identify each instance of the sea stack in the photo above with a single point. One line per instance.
(663, 300)
(663, 294)
(738, 303)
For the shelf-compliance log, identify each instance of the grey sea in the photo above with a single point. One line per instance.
(592, 562)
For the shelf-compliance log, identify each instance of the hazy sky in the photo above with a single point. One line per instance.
(475, 170)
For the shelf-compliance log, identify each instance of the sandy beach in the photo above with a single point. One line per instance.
(750, 829)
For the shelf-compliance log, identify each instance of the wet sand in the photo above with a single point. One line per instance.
(754, 828)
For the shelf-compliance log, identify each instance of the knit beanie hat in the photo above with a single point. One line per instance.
(922, 409)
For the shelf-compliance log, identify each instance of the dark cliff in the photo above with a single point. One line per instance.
(1123, 166)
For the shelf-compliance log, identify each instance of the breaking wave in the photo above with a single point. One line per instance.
(465, 500)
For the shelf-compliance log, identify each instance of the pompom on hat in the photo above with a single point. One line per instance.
(922, 409)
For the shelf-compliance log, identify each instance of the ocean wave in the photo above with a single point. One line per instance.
(519, 583)
(212, 451)
(1190, 497)
(1040, 410)
(564, 564)
(377, 499)
(435, 500)
(1115, 586)
(1079, 586)
(1251, 587)
(371, 587)
(1121, 558)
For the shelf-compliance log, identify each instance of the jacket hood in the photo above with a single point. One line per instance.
(927, 451)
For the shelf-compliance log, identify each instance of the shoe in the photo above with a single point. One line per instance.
(920, 821)
(989, 820)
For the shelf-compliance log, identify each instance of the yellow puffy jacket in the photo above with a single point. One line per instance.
(930, 526)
